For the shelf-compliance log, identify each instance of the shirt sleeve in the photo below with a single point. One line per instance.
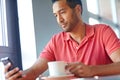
(110, 40)
(48, 51)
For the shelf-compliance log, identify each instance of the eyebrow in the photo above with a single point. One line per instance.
(60, 10)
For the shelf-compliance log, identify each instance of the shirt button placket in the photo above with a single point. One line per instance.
(77, 47)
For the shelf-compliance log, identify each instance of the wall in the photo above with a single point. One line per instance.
(44, 22)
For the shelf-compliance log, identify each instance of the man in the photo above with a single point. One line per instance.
(90, 50)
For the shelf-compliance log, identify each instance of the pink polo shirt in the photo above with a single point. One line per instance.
(95, 48)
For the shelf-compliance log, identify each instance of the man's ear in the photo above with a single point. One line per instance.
(78, 9)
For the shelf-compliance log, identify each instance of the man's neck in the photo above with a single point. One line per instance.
(79, 33)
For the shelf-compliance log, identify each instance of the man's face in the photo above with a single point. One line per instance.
(66, 17)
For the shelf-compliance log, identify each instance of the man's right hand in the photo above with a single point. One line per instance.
(14, 74)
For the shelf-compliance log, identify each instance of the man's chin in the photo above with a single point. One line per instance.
(65, 31)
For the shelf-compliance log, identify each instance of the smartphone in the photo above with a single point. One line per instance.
(7, 60)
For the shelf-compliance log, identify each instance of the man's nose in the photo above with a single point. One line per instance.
(60, 19)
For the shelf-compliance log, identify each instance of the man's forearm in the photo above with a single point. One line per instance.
(103, 70)
(29, 74)
(38, 68)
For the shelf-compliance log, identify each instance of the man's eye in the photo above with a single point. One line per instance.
(62, 12)
(55, 15)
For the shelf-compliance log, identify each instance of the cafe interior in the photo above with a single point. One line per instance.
(25, 25)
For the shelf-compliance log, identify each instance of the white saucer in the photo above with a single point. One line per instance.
(61, 76)
(68, 75)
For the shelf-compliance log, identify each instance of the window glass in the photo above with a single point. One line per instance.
(93, 21)
(118, 10)
(0, 32)
(3, 24)
(92, 6)
(105, 9)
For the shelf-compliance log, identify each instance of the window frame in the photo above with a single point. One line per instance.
(13, 50)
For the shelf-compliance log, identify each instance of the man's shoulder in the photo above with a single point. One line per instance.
(98, 27)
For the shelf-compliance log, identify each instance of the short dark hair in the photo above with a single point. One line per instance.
(72, 3)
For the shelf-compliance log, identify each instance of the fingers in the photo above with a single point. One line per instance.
(7, 67)
(77, 71)
(75, 68)
(13, 74)
(71, 66)
(16, 76)
(80, 69)
(10, 73)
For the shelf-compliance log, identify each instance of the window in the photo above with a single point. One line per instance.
(9, 32)
(118, 10)
(92, 7)
(105, 11)
(3, 25)
(93, 21)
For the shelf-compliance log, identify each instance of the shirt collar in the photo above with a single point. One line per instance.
(90, 30)
(67, 36)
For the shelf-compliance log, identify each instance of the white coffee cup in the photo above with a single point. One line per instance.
(57, 68)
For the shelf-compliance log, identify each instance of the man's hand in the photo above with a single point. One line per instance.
(14, 74)
(79, 69)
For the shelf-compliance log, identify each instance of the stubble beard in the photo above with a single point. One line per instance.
(72, 24)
